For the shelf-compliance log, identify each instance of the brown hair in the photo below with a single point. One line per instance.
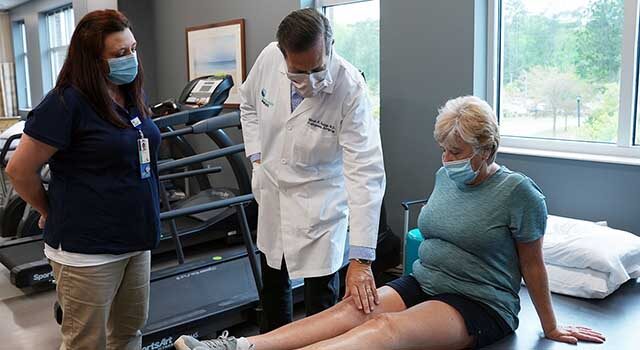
(301, 29)
(86, 70)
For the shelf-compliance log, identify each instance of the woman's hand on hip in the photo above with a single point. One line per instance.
(42, 221)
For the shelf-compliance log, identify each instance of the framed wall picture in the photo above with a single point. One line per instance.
(218, 49)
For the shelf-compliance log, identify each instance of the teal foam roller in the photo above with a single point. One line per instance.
(411, 245)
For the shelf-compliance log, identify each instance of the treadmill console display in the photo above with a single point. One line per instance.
(201, 92)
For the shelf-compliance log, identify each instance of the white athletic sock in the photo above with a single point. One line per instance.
(243, 344)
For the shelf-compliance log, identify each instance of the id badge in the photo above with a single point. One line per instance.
(145, 158)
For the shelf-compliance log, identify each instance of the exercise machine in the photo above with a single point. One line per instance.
(24, 257)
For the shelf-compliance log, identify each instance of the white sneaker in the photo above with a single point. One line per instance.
(224, 342)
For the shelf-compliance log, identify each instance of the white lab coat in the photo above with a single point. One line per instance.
(322, 166)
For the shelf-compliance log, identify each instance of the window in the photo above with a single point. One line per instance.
(22, 64)
(356, 30)
(59, 24)
(564, 74)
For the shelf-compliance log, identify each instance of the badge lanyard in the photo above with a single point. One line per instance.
(143, 149)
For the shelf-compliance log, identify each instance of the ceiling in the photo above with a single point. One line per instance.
(9, 4)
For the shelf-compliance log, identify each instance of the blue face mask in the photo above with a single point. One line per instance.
(123, 70)
(460, 171)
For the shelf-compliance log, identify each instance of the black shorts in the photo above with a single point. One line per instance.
(482, 322)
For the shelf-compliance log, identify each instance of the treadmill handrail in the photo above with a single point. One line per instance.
(190, 173)
(7, 147)
(201, 208)
(203, 157)
(223, 121)
(188, 116)
(227, 120)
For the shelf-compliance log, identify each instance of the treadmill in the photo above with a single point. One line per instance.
(24, 257)
(27, 265)
(207, 92)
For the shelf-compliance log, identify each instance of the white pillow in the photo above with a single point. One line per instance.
(586, 245)
(582, 283)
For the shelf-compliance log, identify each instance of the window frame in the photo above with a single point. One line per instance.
(21, 58)
(321, 4)
(50, 49)
(625, 151)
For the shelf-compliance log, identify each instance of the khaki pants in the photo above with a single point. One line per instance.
(105, 306)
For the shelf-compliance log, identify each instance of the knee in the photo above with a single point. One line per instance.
(127, 329)
(129, 319)
(382, 329)
(383, 320)
(346, 309)
(348, 305)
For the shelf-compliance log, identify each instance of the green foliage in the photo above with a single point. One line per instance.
(559, 89)
(588, 43)
(602, 125)
(536, 40)
(359, 43)
(551, 59)
(599, 42)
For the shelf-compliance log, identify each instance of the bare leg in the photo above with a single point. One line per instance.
(430, 325)
(327, 324)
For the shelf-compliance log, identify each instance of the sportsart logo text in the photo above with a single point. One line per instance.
(42, 276)
(165, 343)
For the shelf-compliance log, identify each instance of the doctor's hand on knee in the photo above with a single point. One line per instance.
(361, 286)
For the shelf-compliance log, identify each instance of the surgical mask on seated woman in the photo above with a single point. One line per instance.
(460, 171)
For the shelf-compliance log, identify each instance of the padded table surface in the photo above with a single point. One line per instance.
(617, 317)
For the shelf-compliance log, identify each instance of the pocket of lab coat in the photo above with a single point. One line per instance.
(326, 204)
(315, 146)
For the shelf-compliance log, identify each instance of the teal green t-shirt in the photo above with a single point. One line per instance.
(470, 238)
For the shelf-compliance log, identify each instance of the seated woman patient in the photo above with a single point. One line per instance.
(483, 227)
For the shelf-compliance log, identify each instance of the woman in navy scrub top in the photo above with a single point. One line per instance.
(101, 213)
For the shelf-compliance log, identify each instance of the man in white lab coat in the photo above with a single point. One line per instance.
(317, 169)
